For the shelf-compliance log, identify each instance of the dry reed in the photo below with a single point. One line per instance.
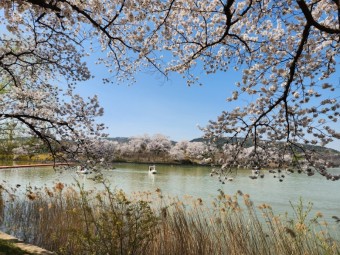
(71, 220)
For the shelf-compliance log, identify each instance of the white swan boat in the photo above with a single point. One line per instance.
(152, 169)
(81, 170)
(255, 173)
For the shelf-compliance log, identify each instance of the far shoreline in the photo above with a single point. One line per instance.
(36, 165)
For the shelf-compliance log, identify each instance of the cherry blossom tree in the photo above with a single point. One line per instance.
(159, 145)
(178, 151)
(39, 68)
(106, 152)
(188, 151)
(286, 50)
(196, 150)
(139, 143)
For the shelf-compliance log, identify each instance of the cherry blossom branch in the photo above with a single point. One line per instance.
(309, 17)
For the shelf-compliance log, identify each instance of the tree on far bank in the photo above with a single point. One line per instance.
(159, 145)
(287, 52)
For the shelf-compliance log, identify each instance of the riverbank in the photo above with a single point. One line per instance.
(12, 245)
(36, 165)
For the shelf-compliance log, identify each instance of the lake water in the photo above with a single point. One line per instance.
(196, 181)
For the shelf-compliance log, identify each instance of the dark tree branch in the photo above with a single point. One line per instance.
(43, 4)
(310, 19)
(292, 70)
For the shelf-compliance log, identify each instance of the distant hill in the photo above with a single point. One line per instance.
(127, 139)
(249, 143)
(119, 139)
(221, 141)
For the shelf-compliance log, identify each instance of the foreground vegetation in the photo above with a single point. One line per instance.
(71, 220)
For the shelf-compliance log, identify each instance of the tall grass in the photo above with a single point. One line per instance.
(71, 220)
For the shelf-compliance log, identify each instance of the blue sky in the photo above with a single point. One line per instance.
(154, 105)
